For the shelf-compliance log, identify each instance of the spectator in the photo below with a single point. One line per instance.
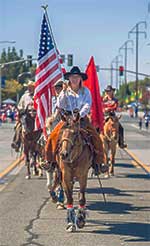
(140, 123)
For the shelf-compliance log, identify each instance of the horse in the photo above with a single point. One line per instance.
(29, 139)
(53, 174)
(110, 139)
(74, 158)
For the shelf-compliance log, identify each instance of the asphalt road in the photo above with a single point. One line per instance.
(27, 216)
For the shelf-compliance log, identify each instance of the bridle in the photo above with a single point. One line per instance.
(110, 137)
(73, 144)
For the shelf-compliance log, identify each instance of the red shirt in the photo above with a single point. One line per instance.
(110, 104)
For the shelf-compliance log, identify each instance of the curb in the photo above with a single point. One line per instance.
(141, 164)
(11, 167)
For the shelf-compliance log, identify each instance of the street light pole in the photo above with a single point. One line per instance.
(125, 48)
(116, 61)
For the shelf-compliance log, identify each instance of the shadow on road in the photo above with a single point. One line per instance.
(108, 190)
(115, 207)
(130, 231)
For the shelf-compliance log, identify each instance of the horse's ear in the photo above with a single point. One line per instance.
(107, 119)
(76, 114)
(62, 115)
(119, 116)
(78, 117)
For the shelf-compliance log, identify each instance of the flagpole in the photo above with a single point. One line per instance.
(55, 46)
(51, 32)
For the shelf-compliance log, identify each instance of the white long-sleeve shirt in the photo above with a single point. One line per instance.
(25, 100)
(69, 100)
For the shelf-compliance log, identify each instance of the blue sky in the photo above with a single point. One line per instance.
(80, 27)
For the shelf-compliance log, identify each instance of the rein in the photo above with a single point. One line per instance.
(67, 140)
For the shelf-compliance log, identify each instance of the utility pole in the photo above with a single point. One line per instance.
(111, 73)
(126, 48)
(116, 61)
(136, 30)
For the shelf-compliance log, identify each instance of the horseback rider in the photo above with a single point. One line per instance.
(53, 120)
(75, 96)
(25, 101)
(110, 104)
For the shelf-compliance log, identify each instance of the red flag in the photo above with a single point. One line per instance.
(47, 73)
(93, 85)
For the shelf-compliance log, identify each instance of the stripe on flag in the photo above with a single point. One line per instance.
(47, 73)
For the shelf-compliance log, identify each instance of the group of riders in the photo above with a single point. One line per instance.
(74, 98)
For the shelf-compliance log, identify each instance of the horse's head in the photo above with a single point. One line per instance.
(28, 119)
(111, 128)
(70, 141)
(30, 111)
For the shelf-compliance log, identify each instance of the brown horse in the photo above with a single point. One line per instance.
(74, 158)
(110, 140)
(29, 139)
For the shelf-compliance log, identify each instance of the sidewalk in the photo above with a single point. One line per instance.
(7, 155)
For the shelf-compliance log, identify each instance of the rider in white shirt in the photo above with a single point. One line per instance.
(25, 101)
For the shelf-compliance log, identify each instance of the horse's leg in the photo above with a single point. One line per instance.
(83, 183)
(27, 162)
(81, 213)
(67, 182)
(52, 183)
(35, 170)
(106, 159)
(112, 158)
(60, 203)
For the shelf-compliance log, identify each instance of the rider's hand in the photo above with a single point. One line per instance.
(107, 109)
(49, 121)
(65, 86)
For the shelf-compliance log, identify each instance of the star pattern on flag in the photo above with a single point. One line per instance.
(46, 43)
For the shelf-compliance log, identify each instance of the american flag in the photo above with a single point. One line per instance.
(47, 73)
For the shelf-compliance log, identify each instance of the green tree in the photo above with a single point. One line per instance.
(12, 71)
(124, 90)
(12, 88)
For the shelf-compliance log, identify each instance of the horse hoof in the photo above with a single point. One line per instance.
(60, 206)
(71, 227)
(35, 173)
(106, 176)
(81, 218)
(53, 196)
(112, 174)
(28, 177)
(80, 223)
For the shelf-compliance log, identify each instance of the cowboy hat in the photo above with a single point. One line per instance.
(75, 70)
(109, 88)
